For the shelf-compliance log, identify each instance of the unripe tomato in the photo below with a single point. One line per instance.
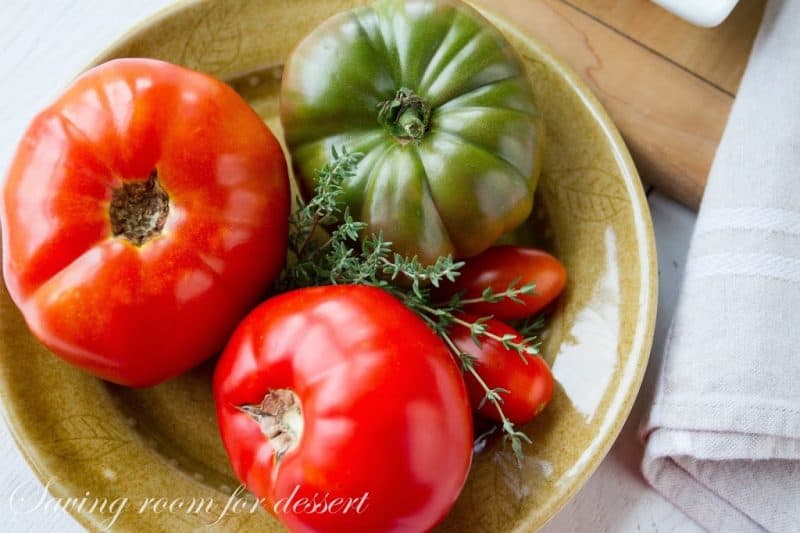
(441, 106)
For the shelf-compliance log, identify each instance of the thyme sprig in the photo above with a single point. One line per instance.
(532, 327)
(512, 293)
(345, 255)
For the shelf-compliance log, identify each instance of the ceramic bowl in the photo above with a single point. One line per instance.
(81, 434)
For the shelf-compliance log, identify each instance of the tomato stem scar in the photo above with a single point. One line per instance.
(280, 416)
(139, 209)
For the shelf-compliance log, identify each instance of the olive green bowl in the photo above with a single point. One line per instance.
(81, 434)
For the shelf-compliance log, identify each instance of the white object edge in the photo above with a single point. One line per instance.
(704, 13)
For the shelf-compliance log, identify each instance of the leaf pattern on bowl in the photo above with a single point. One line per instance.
(216, 40)
(497, 490)
(82, 438)
(589, 194)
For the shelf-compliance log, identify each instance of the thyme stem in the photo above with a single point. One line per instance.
(471, 369)
(309, 235)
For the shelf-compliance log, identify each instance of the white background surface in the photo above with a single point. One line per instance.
(44, 43)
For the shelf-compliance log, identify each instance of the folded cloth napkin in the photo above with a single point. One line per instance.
(722, 440)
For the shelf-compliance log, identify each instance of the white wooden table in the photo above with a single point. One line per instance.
(44, 43)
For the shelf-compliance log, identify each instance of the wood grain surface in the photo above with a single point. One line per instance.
(668, 85)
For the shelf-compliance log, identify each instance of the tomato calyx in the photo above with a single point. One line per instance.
(280, 416)
(406, 116)
(139, 209)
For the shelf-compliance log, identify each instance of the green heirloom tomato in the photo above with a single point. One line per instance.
(437, 101)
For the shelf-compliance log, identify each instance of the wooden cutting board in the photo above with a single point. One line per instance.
(668, 85)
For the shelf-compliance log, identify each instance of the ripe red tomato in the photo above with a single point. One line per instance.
(529, 382)
(144, 213)
(497, 267)
(354, 395)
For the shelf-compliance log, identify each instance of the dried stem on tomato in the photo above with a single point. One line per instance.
(280, 417)
(139, 209)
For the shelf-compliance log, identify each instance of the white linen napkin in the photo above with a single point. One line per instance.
(722, 440)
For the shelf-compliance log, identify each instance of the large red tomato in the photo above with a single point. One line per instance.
(340, 408)
(145, 212)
